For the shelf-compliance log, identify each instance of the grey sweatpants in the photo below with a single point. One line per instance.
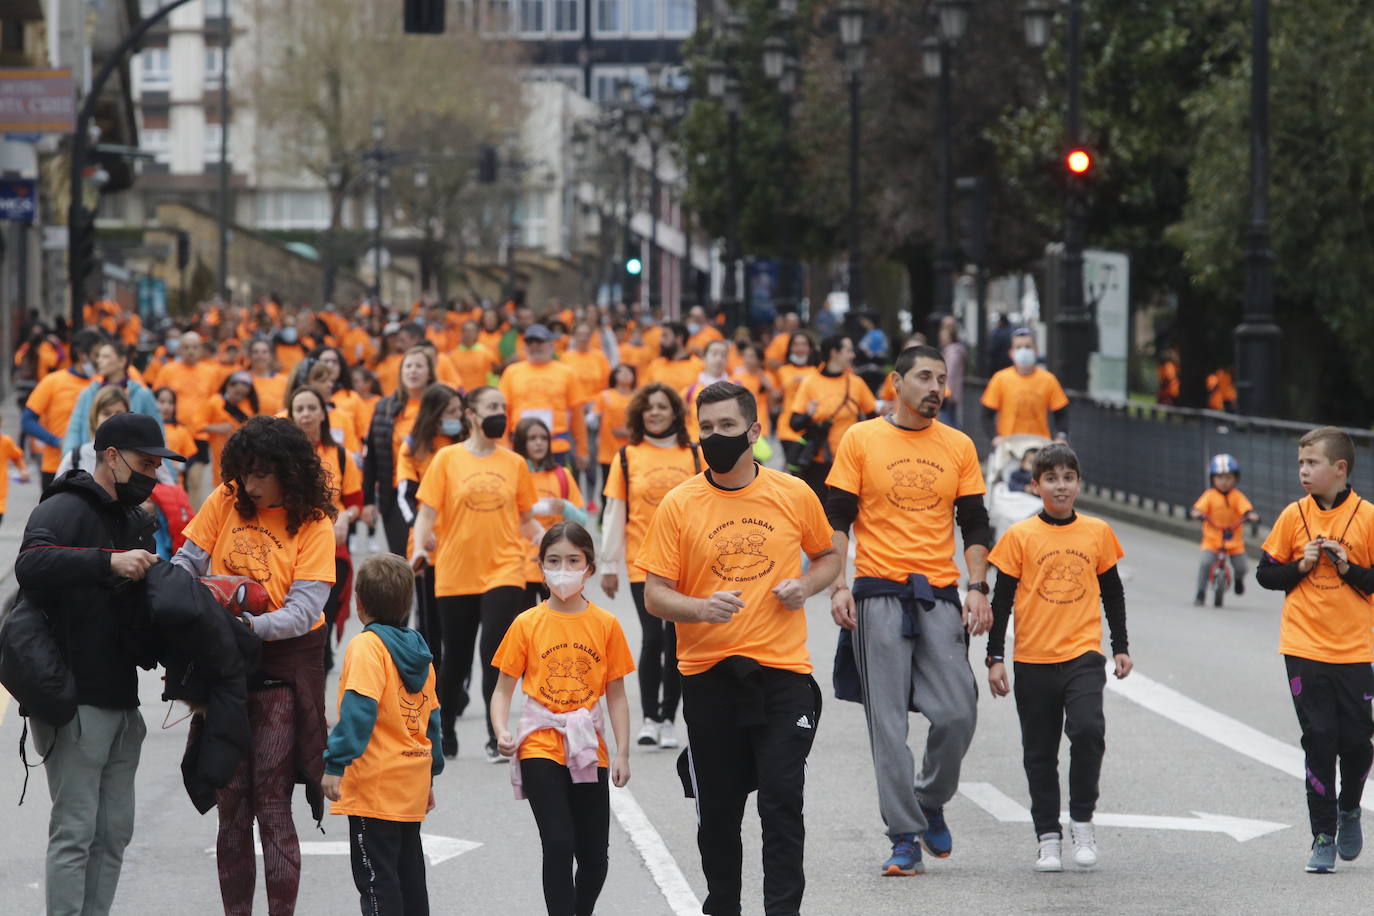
(933, 670)
(1238, 563)
(90, 771)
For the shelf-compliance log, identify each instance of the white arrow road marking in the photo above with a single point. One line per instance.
(437, 848)
(1218, 726)
(1008, 810)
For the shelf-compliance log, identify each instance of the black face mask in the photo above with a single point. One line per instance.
(136, 490)
(722, 452)
(494, 426)
(666, 351)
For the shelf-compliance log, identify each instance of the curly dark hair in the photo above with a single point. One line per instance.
(640, 402)
(275, 445)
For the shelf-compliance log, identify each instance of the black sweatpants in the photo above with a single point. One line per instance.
(1064, 697)
(388, 866)
(1333, 706)
(660, 685)
(393, 524)
(574, 822)
(742, 736)
(331, 611)
(493, 611)
(428, 620)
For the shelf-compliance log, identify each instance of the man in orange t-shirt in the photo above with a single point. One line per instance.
(676, 366)
(902, 482)
(48, 408)
(539, 387)
(723, 558)
(1018, 398)
(700, 331)
(473, 359)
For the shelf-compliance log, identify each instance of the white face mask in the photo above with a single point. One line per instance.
(1024, 357)
(565, 583)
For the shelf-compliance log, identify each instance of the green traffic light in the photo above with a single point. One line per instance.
(633, 267)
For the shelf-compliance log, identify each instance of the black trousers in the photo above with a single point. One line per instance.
(1064, 697)
(660, 685)
(600, 495)
(574, 822)
(393, 524)
(428, 620)
(740, 740)
(331, 611)
(46, 478)
(388, 866)
(493, 612)
(535, 594)
(1333, 706)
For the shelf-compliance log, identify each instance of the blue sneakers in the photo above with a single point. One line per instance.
(1323, 861)
(936, 839)
(906, 857)
(1349, 836)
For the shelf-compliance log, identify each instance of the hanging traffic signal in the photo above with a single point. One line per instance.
(634, 267)
(1079, 161)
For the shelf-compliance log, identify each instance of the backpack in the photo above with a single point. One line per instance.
(175, 507)
(562, 474)
(625, 466)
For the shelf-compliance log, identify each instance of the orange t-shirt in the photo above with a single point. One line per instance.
(53, 399)
(288, 355)
(907, 482)
(1222, 511)
(391, 779)
(351, 476)
(1023, 402)
(194, 386)
(477, 504)
(614, 407)
(9, 454)
(180, 440)
(790, 377)
(359, 417)
(564, 662)
(677, 374)
(704, 539)
(593, 370)
(1324, 619)
(212, 413)
(637, 356)
(271, 393)
(389, 373)
(698, 341)
(776, 351)
(547, 485)
(260, 547)
(839, 401)
(654, 470)
(402, 424)
(550, 392)
(474, 364)
(1056, 616)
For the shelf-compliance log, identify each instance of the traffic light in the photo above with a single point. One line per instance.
(1079, 162)
(634, 268)
(424, 17)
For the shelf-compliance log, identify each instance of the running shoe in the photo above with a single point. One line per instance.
(1049, 856)
(494, 755)
(936, 839)
(1084, 843)
(667, 734)
(648, 734)
(1349, 835)
(450, 745)
(905, 860)
(1323, 861)
(1240, 585)
(1197, 600)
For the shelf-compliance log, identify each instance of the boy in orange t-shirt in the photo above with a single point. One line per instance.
(1067, 562)
(1223, 509)
(1320, 553)
(384, 752)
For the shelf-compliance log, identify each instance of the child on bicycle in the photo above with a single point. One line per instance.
(1223, 509)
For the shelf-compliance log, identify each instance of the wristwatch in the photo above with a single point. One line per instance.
(979, 587)
(993, 660)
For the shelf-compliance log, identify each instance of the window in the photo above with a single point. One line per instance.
(530, 219)
(644, 15)
(532, 15)
(567, 15)
(497, 19)
(155, 141)
(157, 67)
(292, 209)
(608, 15)
(680, 16)
(214, 66)
(210, 144)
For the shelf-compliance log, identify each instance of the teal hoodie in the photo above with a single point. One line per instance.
(358, 714)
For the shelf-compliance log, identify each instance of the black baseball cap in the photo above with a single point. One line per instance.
(134, 432)
(537, 332)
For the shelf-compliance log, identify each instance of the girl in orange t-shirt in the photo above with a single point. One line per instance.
(560, 498)
(658, 458)
(179, 438)
(567, 654)
(224, 413)
(801, 363)
(475, 526)
(611, 406)
(752, 375)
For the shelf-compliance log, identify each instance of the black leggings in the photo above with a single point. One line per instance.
(427, 618)
(657, 662)
(536, 593)
(574, 823)
(493, 611)
(331, 611)
(394, 524)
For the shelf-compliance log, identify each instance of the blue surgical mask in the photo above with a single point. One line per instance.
(172, 344)
(288, 334)
(453, 428)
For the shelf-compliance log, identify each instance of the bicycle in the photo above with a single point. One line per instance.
(1220, 577)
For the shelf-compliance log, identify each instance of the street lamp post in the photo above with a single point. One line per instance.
(379, 182)
(937, 61)
(730, 293)
(655, 133)
(851, 21)
(779, 67)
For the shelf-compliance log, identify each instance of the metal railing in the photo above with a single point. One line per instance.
(1156, 457)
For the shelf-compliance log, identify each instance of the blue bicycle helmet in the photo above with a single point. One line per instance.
(1223, 464)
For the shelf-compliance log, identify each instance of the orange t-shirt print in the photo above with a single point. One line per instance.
(1223, 510)
(564, 662)
(1057, 617)
(1324, 619)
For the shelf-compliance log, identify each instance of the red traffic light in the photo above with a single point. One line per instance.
(1079, 161)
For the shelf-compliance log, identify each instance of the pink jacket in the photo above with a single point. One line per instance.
(581, 730)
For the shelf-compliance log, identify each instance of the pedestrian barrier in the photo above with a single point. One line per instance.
(1156, 457)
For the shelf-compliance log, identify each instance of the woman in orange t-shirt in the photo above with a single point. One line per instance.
(567, 653)
(560, 498)
(475, 526)
(310, 412)
(179, 438)
(659, 457)
(801, 363)
(368, 390)
(392, 418)
(341, 392)
(752, 375)
(270, 521)
(224, 413)
(613, 432)
(438, 424)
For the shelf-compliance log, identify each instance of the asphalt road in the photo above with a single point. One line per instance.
(1205, 725)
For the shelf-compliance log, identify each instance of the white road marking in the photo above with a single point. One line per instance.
(437, 848)
(1209, 723)
(660, 862)
(1009, 811)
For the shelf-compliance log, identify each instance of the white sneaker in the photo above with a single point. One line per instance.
(1084, 843)
(648, 734)
(667, 734)
(1050, 855)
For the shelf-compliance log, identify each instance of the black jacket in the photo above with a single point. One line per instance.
(64, 568)
(379, 464)
(209, 656)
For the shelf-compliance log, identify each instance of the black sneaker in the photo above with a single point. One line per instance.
(450, 746)
(1197, 600)
(1240, 585)
(1349, 836)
